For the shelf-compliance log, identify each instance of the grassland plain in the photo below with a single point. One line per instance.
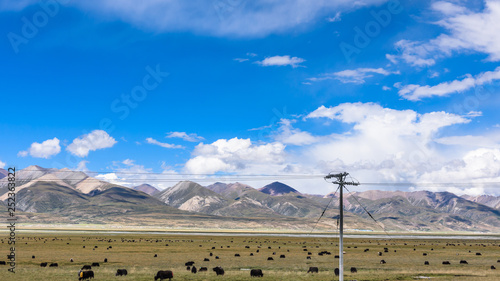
(136, 253)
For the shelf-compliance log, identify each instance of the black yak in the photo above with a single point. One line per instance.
(313, 269)
(121, 272)
(256, 273)
(164, 274)
(83, 275)
(218, 270)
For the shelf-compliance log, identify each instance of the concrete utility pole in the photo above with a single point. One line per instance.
(341, 182)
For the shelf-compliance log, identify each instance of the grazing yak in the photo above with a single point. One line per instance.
(164, 274)
(270, 259)
(95, 264)
(308, 258)
(463, 262)
(337, 272)
(189, 263)
(354, 270)
(106, 260)
(203, 269)
(86, 267)
(426, 263)
(282, 256)
(206, 259)
(446, 262)
(382, 262)
(4, 263)
(313, 269)
(256, 273)
(193, 269)
(218, 270)
(83, 275)
(54, 264)
(121, 272)
(32, 257)
(236, 255)
(43, 264)
(493, 267)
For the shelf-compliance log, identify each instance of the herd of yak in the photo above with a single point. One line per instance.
(86, 272)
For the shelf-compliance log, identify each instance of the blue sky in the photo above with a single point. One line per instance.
(391, 91)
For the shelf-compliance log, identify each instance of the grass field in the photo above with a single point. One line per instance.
(135, 252)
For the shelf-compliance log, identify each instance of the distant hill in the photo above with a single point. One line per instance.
(146, 188)
(488, 200)
(190, 196)
(3, 173)
(65, 196)
(277, 188)
(230, 190)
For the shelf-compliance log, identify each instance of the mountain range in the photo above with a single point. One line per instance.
(48, 195)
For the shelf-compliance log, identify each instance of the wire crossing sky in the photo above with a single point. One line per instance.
(393, 92)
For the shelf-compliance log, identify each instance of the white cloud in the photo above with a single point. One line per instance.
(480, 166)
(82, 166)
(467, 31)
(282, 61)
(416, 92)
(385, 88)
(162, 144)
(235, 155)
(288, 135)
(45, 149)
(185, 136)
(97, 139)
(240, 60)
(383, 144)
(356, 76)
(255, 18)
(129, 173)
(2, 165)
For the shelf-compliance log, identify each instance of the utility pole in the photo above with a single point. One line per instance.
(341, 182)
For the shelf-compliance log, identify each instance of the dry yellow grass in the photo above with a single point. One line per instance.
(135, 252)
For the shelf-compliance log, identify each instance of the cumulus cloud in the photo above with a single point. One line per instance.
(466, 31)
(2, 165)
(45, 149)
(288, 135)
(382, 143)
(416, 92)
(282, 61)
(162, 144)
(356, 76)
(97, 139)
(129, 173)
(235, 155)
(256, 18)
(82, 166)
(480, 166)
(185, 136)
